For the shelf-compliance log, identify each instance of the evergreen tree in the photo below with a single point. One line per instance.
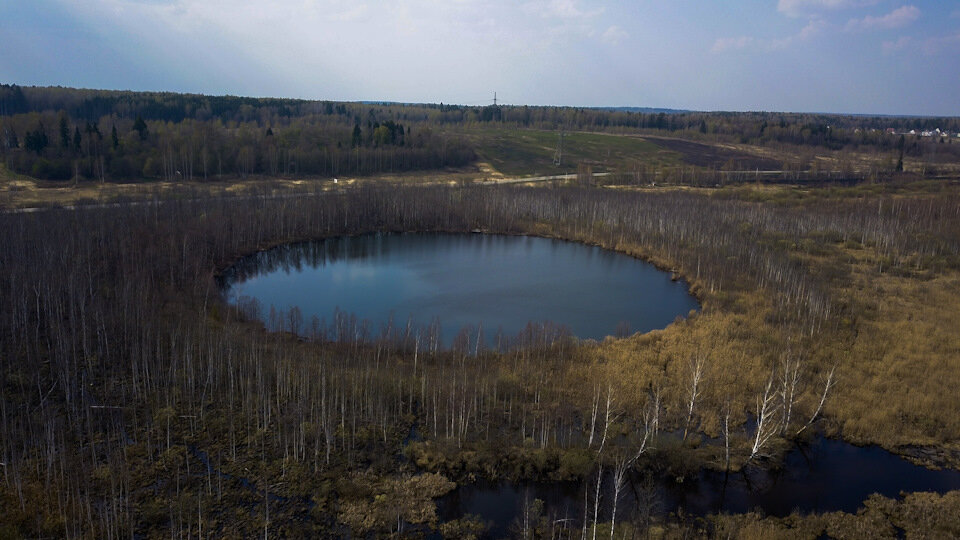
(64, 132)
(357, 138)
(12, 100)
(36, 140)
(141, 127)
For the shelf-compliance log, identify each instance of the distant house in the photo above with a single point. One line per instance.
(891, 131)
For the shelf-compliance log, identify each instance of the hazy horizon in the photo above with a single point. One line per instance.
(485, 102)
(862, 57)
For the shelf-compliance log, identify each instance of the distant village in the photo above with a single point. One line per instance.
(934, 133)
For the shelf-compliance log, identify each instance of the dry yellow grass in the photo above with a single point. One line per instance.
(898, 359)
(899, 385)
(18, 191)
(917, 515)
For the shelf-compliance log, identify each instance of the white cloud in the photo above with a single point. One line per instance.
(561, 21)
(559, 9)
(894, 46)
(722, 45)
(614, 35)
(935, 45)
(796, 8)
(930, 46)
(354, 49)
(897, 18)
(349, 13)
(812, 29)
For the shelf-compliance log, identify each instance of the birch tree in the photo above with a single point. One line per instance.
(767, 427)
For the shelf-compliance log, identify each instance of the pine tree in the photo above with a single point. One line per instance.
(141, 127)
(357, 138)
(64, 132)
(36, 140)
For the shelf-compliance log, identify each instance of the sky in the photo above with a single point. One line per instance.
(842, 56)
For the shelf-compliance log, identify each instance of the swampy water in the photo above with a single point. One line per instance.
(823, 476)
(445, 283)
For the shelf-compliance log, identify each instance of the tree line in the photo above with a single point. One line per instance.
(131, 140)
(122, 135)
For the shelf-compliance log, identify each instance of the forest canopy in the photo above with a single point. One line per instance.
(57, 133)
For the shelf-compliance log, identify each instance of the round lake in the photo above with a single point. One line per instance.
(499, 284)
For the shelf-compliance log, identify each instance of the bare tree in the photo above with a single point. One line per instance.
(827, 385)
(726, 435)
(790, 379)
(625, 461)
(766, 418)
(697, 367)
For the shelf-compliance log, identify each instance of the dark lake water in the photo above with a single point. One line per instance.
(825, 476)
(496, 283)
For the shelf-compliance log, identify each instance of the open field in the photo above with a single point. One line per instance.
(529, 152)
(715, 156)
(504, 154)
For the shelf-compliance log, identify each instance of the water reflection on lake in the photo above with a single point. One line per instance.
(496, 283)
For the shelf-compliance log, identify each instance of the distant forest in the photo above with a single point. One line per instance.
(59, 133)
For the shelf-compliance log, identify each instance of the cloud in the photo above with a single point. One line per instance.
(614, 35)
(931, 46)
(897, 18)
(812, 28)
(796, 8)
(894, 46)
(935, 45)
(562, 22)
(351, 13)
(558, 9)
(722, 45)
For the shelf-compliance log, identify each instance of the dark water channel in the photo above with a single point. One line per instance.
(496, 283)
(824, 476)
